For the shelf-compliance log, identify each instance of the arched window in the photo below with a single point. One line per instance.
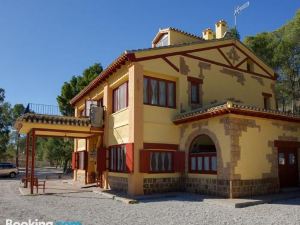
(203, 155)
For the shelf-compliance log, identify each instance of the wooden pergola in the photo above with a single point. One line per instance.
(38, 125)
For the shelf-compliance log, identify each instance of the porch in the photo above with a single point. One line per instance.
(36, 124)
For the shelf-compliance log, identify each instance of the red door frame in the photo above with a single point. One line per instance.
(288, 174)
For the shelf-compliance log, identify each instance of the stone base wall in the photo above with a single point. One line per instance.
(234, 188)
(161, 185)
(81, 176)
(208, 186)
(246, 188)
(118, 183)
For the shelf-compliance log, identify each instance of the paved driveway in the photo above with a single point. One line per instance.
(91, 209)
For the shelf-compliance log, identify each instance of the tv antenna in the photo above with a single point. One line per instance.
(238, 10)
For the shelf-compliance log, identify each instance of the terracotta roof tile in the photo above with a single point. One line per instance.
(234, 108)
(50, 119)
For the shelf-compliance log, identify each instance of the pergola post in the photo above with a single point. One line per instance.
(32, 161)
(27, 159)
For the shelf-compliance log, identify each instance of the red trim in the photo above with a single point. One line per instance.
(116, 90)
(114, 169)
(236, 111)
(225, 65)
(287, 144)
(224, 56)
(130, 157)
(160, 146)
(171, 64)
(167, 82)
(195, 80)
(121, 60)
(162, 171)
(180, 52)
(241, 62)
(267, 95)
(271, 75)
(202, 155)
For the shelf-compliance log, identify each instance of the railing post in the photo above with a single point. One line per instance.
(32, 162)
(27, 158)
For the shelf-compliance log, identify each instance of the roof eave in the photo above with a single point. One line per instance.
(113, 67)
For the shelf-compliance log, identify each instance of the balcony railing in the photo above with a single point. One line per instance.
(45, 109)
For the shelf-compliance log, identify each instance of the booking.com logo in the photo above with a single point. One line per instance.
(37, 222)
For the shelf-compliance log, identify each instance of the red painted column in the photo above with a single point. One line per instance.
(32, 162)
(27, 159)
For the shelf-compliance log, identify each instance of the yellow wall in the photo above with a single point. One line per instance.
(255, 146)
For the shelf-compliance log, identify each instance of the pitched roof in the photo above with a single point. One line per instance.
(162, 31)
(234, 108)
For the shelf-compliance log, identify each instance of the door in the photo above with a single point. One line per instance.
(288, 167)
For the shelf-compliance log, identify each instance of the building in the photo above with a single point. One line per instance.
(191, 113)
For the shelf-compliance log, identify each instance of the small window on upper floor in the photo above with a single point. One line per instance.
(195, 90)
(267, 100)
(120, 97)
(250, 66)
(159, 92)
(164, 41)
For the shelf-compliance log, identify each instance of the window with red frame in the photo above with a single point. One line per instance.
(120, 97)
(194, 93)
(161, 161)
(195, 85)
(117, 158)
(159, 92)
(203, 156)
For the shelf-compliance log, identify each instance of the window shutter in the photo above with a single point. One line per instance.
(129, 157)
(179, 161)
(74, 165)
(144, 161)
(101, 160)
(85, 158)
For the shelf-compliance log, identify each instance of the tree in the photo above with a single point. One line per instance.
(281, 50)
(74, 86)
(5, 124)
(234, 33)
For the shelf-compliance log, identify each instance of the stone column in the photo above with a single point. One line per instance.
(136, 125)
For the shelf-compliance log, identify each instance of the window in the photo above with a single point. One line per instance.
(194, 93)
(120, 97)
(250, 66)
(159, 92)
(117, 158)
(164, 41)
(203, 156)
(161, 161)
(267, 100)
(195, 85)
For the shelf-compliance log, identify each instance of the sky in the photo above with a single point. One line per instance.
(44, 43)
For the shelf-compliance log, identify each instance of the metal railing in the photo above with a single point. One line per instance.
(46, 109)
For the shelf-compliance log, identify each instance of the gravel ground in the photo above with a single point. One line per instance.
(90, 209)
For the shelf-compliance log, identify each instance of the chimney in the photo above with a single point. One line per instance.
(208, 34)
(221, 28)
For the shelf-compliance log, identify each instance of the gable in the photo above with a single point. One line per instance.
(229, 54)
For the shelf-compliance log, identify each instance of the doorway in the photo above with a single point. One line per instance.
(288, 167)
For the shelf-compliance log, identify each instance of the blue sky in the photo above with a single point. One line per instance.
(44, 43)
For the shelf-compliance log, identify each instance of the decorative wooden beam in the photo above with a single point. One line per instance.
(224, 56)
(171, 64)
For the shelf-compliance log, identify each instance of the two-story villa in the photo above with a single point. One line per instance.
(191, 113)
